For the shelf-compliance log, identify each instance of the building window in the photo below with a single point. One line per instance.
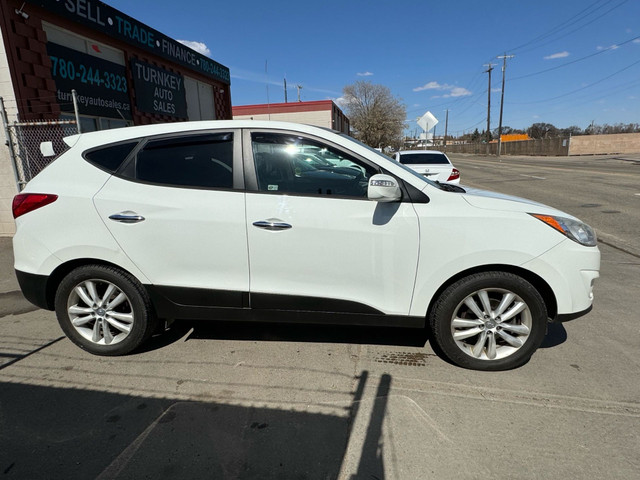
(82, 44)
(200, 101)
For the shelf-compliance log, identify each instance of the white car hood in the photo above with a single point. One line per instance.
(488, 200)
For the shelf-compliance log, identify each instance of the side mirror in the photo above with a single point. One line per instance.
(384, 188)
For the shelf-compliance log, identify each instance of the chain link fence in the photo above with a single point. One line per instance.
(24, 143)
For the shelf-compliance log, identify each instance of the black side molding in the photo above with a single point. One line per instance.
(202, 304)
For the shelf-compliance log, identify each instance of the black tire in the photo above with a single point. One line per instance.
(473, 350)
(94, 330)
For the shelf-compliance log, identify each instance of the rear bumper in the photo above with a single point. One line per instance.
(34, 289)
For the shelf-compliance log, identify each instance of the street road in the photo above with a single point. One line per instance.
(603, 191)
(217, 400)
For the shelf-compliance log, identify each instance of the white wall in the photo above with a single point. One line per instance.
(8, 186)
(321, 118)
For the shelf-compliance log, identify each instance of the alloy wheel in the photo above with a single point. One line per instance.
(100, 312)
(491, 324)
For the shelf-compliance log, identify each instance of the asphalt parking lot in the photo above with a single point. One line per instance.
(221, 400)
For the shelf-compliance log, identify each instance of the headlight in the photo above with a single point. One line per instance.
(575, 230)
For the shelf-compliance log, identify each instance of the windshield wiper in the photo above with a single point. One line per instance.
(448, 187)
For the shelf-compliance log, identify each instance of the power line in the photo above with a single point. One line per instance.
(575, 29)
(582, 14)
(589, 98)
(456, 101)
(469, 128)
(612, 47)
(578, 89)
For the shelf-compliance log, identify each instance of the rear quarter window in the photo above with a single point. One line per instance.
(110, 158)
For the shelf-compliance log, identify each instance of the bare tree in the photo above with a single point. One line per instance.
(542, 130)
(376, 116)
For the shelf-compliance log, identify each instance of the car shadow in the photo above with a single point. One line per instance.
(185, 330)
(556, 335)
(280, 332)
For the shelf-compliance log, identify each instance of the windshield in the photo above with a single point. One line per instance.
(407, 169)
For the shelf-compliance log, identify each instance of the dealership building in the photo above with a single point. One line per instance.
(124, 73)
(322, 113)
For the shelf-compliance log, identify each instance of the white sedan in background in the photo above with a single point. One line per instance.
(432, 164)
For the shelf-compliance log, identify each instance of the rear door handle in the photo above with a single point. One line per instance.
(127, 217)
(272, 224)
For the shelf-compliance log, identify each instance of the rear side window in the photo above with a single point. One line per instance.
(110, 158)
(201, 161)
(423, 159)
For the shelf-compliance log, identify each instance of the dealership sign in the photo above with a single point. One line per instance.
(101, 17)
(158, 90)
(101, 85)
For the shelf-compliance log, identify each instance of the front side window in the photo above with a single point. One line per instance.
(294, 164)
(201, 161)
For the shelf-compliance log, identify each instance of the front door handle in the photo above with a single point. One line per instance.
(272, 224)
(127, 217)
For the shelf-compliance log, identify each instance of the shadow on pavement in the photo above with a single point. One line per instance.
(556, 335)
(250, 331)
(48, 432)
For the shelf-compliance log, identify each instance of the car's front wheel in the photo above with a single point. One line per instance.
(489, 321)
(104, 310)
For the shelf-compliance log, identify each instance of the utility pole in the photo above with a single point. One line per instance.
(446, 126)
(504, 68)
(74, 94)
(488, 135)
(266, 81)
(285, 89)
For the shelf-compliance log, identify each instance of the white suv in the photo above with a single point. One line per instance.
(221, 220)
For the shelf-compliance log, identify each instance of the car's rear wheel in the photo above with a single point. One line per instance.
(489, 321)
(104, 310)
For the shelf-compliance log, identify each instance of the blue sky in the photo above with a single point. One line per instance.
(430, 54)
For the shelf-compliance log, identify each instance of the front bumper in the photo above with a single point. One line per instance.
(565, 317)
(571, 270)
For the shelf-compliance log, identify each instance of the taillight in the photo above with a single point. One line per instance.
(27, 202)
(455, 174)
